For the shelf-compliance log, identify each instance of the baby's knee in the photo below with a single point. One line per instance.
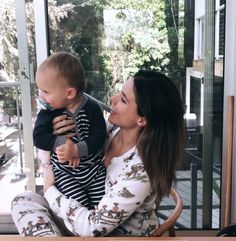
(21, 197)
(27, 197)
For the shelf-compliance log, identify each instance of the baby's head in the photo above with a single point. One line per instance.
(68, 67)
(60, 76)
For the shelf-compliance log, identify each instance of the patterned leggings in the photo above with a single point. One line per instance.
(33, 217)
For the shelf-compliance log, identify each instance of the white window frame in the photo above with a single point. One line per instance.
(200, 76)
(217, 29)
(200, 38)
(200, 33)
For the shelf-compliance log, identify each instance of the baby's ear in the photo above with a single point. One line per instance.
(71, 93)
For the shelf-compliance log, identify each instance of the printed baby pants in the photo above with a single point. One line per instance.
(33, 217)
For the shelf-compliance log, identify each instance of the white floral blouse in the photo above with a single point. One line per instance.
(127, 208)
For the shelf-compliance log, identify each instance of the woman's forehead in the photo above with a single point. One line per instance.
(129, 83)
(128, 89)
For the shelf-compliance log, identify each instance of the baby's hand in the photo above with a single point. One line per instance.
(74, 162)
(68, 151)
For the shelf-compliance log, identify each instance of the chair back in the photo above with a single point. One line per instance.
(169, 223)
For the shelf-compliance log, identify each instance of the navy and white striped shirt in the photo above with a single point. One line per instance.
(84, 183)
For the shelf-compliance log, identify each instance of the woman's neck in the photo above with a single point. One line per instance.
(128, 137)
(123, 141)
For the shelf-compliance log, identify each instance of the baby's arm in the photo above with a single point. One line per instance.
(97, 132)
(43, 136)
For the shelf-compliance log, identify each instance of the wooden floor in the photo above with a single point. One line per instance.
(184, 189)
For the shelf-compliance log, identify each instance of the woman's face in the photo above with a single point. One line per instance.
(124, 107)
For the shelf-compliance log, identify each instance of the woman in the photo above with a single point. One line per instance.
(146, 141)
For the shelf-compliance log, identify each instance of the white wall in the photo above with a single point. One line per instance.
(199, 8)
(41, 37)
(199, 12)
(230, 89)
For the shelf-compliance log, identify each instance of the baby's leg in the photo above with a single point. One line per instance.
(68, 185)
(44, 156)
(97, 188)
(32, 216)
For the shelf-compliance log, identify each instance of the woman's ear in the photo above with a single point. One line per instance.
(71, 93)
(142, 122)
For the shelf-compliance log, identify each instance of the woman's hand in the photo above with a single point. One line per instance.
(48, 177)
(62, 124)
(106, 162)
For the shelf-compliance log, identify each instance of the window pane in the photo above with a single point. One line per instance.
(222, 32)
(13, 167)
(115, 39)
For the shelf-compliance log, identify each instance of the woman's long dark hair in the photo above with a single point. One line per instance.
(162, 140)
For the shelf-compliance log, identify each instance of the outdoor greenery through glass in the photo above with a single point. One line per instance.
(114, 39)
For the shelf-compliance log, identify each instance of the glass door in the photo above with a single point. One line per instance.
(181, 38)
(17, 161)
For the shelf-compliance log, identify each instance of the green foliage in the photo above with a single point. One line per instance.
(9, 59)
(58, 17)
(8, 41)
(113, 38)
(8, 101)
(8, 38)
(135, 37)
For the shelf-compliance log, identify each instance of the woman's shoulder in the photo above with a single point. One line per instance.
(134, 159)
(132, 173)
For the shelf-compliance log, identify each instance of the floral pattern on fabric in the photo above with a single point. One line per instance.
(120, 210)
(38, 226)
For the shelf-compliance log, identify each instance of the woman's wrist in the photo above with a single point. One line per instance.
(52, 194)
(48, 176)
(45, 189)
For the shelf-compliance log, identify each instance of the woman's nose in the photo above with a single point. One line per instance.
(113, 99)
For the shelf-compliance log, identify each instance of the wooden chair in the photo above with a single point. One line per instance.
(228, 231)
(169, 223)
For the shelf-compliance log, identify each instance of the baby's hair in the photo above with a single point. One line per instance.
(68, 67)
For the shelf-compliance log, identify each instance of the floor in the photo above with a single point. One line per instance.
(184, 189)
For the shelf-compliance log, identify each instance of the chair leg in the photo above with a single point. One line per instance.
(172, 231)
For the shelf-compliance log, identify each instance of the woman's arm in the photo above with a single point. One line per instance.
(48, 176)
(61, 124)
(121, 200)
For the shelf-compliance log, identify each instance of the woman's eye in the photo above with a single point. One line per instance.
(123, 100)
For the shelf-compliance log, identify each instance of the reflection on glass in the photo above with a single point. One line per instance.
(114, 39)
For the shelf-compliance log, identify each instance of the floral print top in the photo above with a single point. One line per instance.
(127, 208)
